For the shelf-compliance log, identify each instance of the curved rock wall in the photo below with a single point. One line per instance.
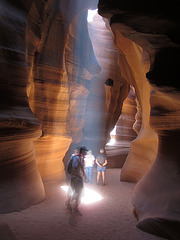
(134, 63)
(33, 65)
(53, 92)
(156, 30)
(20, 182)
(49, 90)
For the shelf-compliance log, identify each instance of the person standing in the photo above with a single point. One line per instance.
(101, 161)
(89, 163)
(75, 170)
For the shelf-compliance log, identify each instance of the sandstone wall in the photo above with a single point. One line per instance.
(35, 95)
(134, 64)
(53, 95)
(20, 182)
(155, 28)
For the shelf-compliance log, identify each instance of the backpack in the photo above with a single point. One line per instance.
(69, 166)
(73, 163)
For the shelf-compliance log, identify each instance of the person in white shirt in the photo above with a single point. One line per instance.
(89, 163)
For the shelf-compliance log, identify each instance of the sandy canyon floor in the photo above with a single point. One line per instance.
(108, 219)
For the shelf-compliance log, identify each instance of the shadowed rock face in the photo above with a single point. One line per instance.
(155, 28)
(20, 182)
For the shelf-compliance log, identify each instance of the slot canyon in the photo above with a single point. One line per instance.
(66, 82)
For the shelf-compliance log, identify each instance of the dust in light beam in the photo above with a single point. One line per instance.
(88, 196)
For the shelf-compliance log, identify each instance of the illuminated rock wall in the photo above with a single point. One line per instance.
(155, 28)
(48, 89)
(134, 64)
(53, 95)
(35, 95)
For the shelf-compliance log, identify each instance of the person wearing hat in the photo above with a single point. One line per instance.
(75, 170)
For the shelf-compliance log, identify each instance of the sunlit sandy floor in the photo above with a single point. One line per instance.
(106, 219)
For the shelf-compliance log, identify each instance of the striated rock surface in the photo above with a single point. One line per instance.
(48, 88)
(134, 63)
(155, 28)
(53, 93)
(34, 79)
(20, 181)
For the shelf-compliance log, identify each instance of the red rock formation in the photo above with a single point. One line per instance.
(35, 34)
(55, 84)
(49, 90)
(155, 28)
(134, 63)
(20, 182)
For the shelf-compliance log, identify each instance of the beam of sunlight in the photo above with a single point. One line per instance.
(88, 196)
(113, 132)
(112, 135)
(111, 142)
(91, 14)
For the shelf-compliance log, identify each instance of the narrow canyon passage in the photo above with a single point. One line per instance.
(111, 82)
(108, 219)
